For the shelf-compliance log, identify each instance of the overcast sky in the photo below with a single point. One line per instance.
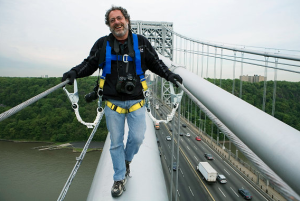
(48, 37)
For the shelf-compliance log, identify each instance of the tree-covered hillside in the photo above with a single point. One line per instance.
(52, 117)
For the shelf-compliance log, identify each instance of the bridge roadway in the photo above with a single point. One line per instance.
(191, 186)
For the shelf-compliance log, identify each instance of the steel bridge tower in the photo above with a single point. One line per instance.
(162, 41)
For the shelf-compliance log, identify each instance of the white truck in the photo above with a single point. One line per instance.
(208, 172)
(157, 106)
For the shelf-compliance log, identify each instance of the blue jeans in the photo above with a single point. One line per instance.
(115, 123)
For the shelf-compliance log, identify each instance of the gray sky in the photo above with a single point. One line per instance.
(48, 37)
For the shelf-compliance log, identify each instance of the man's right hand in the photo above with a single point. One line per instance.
(71, 75)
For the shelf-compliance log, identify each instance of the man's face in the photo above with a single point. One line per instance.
(118, 25)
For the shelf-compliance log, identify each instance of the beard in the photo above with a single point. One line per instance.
(120, 33)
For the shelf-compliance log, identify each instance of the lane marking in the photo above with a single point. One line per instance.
(222, 192)
(191, 191)
(235, 192)
(226, 171)
(196, 158)
(181, 172)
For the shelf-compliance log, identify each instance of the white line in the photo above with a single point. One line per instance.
(195, 147)
(221, 192)
(226, 171)
(196, 158)
(235, 192)
(178, 193)
(191, 191)
(188, 147)
(181, 172)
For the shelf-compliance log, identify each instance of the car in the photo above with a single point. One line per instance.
(245, 193)
(174, 166)
(222, 179)
(188, 135)
(181, 134)
(208, 156)
(198, 138)
(183, 125)
(168, 138)
(170, 130)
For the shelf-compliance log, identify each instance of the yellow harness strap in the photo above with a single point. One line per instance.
(125, 111)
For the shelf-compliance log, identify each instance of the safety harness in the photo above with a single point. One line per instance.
(125, 58)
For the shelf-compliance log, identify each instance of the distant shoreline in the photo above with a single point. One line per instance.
(79, 145)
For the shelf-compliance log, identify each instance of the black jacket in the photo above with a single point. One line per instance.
(149, 61)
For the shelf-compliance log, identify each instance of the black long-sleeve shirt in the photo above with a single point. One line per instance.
(149, 61)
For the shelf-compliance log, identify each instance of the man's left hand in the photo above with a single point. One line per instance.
(175, 77)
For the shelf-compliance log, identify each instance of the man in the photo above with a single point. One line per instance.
(127, 57)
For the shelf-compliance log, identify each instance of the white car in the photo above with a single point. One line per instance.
(168, 138)
(188, 135)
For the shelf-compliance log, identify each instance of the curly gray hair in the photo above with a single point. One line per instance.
(124, 12)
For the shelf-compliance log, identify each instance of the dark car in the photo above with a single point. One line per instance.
(181, 134)
(183, 125)
(222, 179)
(208, 156)
(245, 194)
(174, 166)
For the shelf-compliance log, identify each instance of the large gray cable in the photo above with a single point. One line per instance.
(21, 106)
(287, 191)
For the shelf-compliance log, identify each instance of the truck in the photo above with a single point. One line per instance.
(207, 171)
(156, 125)
(157, 106)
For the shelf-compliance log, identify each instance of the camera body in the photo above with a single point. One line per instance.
(126, 84)
(93, 95)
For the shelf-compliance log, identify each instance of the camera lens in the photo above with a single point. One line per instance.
(90, 97)
(129, 87)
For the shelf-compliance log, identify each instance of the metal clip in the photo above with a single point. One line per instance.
(73, 97)
(125, 58)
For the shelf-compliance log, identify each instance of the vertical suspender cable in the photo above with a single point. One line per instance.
(177, 155)
(221, 68)
(207, 61)
(265, 84)
(202, 60)
(233, 78)
(274, 89)
(215, 66)
(241, 83)
(171, 166)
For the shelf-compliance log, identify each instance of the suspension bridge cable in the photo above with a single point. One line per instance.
(21, 106)
(287, 191)
(78, 161)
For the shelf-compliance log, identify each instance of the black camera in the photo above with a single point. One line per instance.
(93, 95)
(126, 84)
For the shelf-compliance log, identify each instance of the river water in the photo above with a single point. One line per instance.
(27, 174)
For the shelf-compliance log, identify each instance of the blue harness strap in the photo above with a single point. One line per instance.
(125, 58)
(107, 65)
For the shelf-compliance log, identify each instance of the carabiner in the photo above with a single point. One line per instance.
(73, 97)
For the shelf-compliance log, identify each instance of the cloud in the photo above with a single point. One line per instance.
(59, 33)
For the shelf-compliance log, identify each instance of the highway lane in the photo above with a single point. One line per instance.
(191, 184)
